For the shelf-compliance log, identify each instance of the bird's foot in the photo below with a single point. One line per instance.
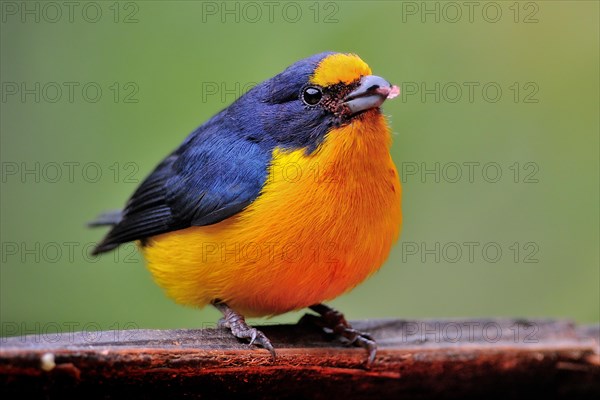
(236, 323)
(334, 321)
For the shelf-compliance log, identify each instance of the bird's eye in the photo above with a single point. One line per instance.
(312, 95)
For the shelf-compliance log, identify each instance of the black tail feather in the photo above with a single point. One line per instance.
(108, 218)
(103, 247)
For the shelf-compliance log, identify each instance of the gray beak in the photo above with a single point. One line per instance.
(371, 93)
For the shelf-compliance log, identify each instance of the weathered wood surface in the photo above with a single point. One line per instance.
(416, 359)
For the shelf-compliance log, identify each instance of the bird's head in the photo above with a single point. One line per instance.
(300, 106)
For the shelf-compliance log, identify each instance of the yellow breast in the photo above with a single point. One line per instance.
(322, 224)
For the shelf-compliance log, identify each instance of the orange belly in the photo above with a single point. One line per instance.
(323, 223)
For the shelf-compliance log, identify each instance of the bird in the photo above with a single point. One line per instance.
(284, 200)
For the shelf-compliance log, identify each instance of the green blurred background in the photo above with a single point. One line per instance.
(166, 67)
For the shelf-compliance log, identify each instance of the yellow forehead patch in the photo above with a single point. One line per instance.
(339, 67)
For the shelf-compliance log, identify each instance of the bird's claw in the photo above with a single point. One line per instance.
(252, 337)
(366, 342)
(358, 338)
(334, 321)
(243, 331)
(240, 329)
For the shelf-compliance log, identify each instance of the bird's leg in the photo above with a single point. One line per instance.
(240, 329)
(335, 321)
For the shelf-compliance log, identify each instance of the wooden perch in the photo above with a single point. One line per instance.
(416, 359)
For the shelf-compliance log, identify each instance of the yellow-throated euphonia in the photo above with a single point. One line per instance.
(287, 198)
